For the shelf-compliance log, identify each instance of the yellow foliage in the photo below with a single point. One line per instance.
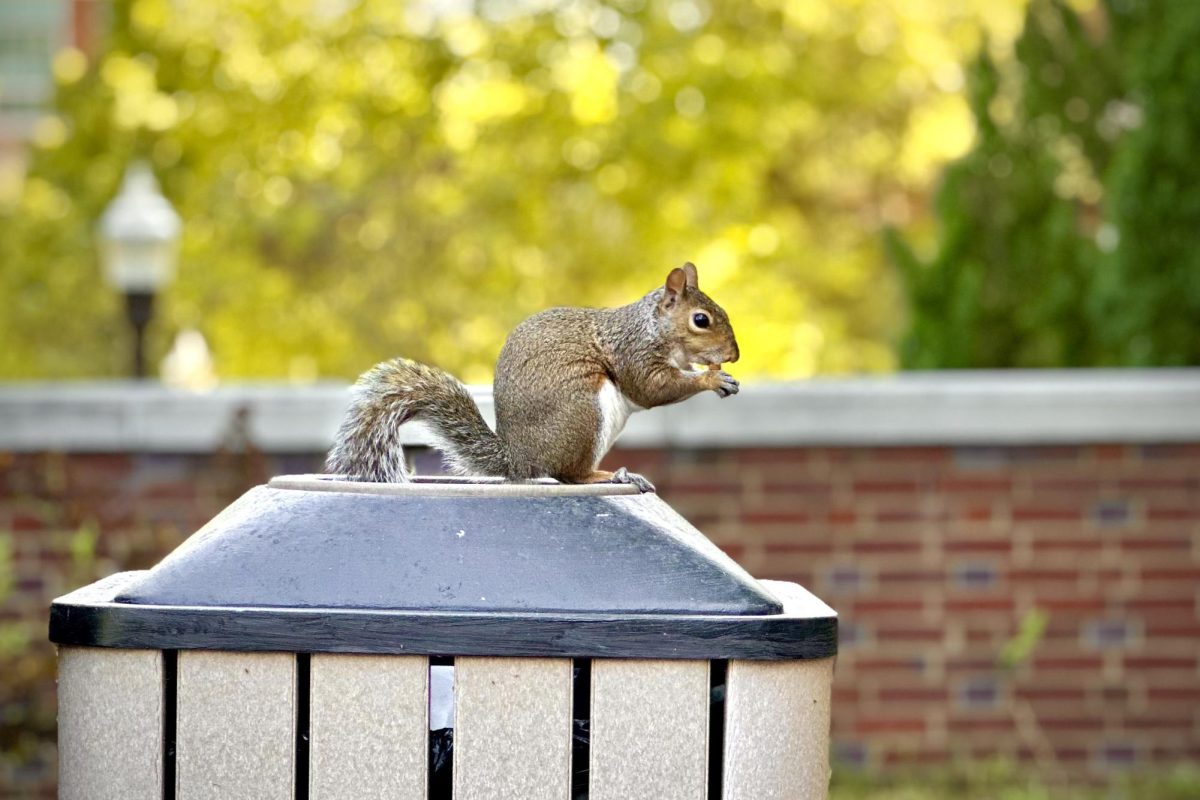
(362, 180)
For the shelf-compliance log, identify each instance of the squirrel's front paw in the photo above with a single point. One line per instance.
(724, 384)
(623, 475)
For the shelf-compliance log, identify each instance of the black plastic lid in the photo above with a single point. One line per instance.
(442, 567)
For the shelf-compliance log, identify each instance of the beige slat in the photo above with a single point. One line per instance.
(235, 734)
(649, 730)
(368, 727)
(110, 721)
(777, 730)
(512, 728)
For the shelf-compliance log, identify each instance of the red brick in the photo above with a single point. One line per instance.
(1172, 514)
(980, 724)
(1182, 544)
(867, 607)
(768, 517)
(1084, 663)
(927, 455)
(773, 455)
(908, 576)
(1180, 725)
(873, 664)
(957, 485)
(798, 547)
(791, 487)
(977, 545)
(1088, 543)
(886, 487)
(1174, 694)
(1160, 662)
(1043, 693)
(698, 486)
(911, 634)
(1030, 514)
(1170, 629)
(24, 522)
(889, 725)
(886, 546)
(1189, 483)
(1070, 723)
(892, 516)
(1189, 574)
(1043, 574)
(1068, 485)
(1055, 605)
(890, 695)
(979, 605)
(1111, 452)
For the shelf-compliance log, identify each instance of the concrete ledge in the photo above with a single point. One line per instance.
(952, 408)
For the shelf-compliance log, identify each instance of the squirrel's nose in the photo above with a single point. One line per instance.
(736, 352)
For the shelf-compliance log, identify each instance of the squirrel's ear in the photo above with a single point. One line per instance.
(693, 280)
(674, 287)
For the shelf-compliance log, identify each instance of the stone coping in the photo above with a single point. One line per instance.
(937, 408)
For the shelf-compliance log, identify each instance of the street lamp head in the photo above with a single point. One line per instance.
(139, 233)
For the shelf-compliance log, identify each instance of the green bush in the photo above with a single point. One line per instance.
(1070, 234)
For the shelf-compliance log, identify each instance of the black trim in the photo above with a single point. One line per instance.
(170, 662)
(303, 723)
(581, 725)
(440, 743)
(718, 670)
(774, 637)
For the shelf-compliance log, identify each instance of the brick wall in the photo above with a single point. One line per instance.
(935, 557)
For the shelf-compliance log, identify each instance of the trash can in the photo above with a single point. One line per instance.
(599, 647)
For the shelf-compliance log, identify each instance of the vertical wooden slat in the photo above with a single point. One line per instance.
(649, 730)
(512, 728)
(777, 729)
(369, 727)
(236, 734)
(110, 722)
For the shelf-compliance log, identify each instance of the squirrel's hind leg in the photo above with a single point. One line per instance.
(622, 475)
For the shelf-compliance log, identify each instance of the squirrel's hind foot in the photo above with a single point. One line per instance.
(623, 475)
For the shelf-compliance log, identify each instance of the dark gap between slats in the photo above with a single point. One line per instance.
(441, 745)
(717, 672)
(170, 661)
(581, 722)
(303, 722)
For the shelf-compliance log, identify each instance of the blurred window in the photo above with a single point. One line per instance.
(30, 32)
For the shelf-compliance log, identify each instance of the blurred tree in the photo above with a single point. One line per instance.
(1068, 235)
(365, 179)
(1147, 293)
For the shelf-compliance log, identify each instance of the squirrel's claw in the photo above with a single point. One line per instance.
(623, 475)
(727, 384)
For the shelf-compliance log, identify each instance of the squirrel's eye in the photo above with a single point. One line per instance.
(700, 319)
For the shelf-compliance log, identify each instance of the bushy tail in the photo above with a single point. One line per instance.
(367, 446)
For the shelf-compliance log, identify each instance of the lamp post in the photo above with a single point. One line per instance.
(139, 234)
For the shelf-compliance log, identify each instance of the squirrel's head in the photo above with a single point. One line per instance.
(699, 326)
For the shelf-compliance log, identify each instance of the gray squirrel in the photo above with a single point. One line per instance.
(566, 381)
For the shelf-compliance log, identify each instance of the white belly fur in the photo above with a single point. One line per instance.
(615, 409)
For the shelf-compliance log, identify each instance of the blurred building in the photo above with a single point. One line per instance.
(31, 32)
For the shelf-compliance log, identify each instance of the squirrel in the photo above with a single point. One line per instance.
(566, 381)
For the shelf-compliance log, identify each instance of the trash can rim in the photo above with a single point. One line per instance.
(448, 486)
